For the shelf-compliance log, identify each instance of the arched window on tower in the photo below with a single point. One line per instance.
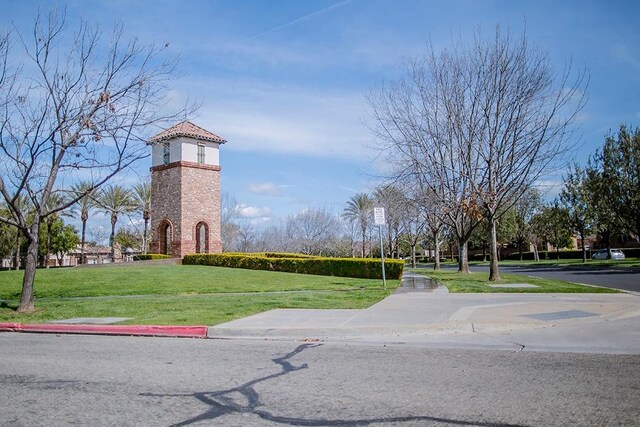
(202, 238)
(165, 234)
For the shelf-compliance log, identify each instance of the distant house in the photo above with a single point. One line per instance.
(95, 254)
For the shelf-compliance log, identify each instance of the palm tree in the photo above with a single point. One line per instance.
(142, 200)
(359, 209)
(115, 200)
(84, 204)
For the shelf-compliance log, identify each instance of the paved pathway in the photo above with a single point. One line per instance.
(602, 323)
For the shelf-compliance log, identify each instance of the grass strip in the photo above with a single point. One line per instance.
(478, 283)
(180, 295)
(169, 280)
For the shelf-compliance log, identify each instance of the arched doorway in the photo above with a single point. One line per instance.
(202, 238)
(165, 233)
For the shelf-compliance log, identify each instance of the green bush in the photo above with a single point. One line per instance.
(146, 257)
(303, 264)
(286, 255)
(526, 256)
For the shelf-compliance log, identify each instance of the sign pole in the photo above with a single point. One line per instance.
(379, 220)
(384, 277)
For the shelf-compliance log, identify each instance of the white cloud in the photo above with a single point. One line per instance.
(627, 54)
(550, 188)
(286, 120)
(265, 189)
(253, 212)
(259, 221)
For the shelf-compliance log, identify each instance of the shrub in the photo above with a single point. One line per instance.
(146, 257)
(303, 264)
(526, 256)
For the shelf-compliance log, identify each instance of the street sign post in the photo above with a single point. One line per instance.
(379, 220)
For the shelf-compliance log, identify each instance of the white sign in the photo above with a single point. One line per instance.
(378, 216)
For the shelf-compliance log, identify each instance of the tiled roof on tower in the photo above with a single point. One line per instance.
(186, 129)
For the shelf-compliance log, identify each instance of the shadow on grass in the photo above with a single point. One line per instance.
(8, 305)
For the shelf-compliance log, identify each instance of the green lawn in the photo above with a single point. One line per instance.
(478, 283)
(179, 294)
(627, 263)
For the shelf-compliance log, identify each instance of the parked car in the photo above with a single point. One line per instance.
(602, 254)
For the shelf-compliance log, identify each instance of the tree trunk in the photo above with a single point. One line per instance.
(584, 250)
(83, 242)
(31, 262)
(520, 248)
(436, 258)
(364, 239)
(494, 270)
(112, 237)
(144, 236)
(536, 255)
(413, 256)
(463, 261)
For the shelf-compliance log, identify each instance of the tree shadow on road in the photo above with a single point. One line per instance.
(223, 402)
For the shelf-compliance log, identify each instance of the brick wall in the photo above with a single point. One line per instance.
(185, 194)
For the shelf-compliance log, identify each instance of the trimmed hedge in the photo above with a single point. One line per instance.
(527, 256)
(146, 257)
(269, 254)
(303, 264)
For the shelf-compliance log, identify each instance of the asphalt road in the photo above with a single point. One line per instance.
(91, 380)
(627, 279)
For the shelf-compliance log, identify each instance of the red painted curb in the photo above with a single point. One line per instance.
(136, 330)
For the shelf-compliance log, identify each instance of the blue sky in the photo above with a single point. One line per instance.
(285, 81)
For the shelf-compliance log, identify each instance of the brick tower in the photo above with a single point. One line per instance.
(185, 191)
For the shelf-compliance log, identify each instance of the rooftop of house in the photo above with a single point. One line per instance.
(186, 129)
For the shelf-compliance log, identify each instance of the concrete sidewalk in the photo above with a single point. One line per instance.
(601, 323)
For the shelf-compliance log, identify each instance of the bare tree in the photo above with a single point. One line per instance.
(247, 236)
(414, 223)
(228, 221)
(482, 124)
(434, 215)
(419, 120)
(313, 229)
(526, 208)
(80, 107)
